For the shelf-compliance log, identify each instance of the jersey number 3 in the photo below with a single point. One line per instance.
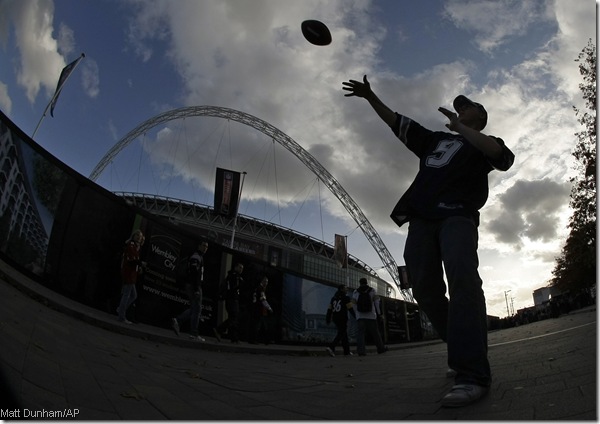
(443, 153)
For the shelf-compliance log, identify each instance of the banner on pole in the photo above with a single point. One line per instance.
(62, 79)
(227, 189)
(340, 252)
(404, 281)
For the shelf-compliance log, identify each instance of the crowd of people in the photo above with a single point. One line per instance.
(245, 305)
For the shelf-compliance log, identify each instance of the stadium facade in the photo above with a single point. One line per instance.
(67, 232)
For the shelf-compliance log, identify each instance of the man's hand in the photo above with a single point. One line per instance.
(358, 89)
(486, 144)
(454, 123)
(363, 89)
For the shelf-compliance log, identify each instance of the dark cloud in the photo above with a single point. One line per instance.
(530, 209)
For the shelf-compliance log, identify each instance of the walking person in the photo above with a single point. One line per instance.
(194, 278)
(442, 205)
(367, 308)
(262, 310)
(131, 267)
(230, 292)
(337, 311)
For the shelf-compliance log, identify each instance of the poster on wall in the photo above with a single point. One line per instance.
(161, 295)
(396, 329)
(161, 255)
(30, 190)
(304, 310)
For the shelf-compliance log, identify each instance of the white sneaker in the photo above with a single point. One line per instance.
(197, 338)
(463, 394)
(175, 326)
(450, 373)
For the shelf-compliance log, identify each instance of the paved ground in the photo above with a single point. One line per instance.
(57, 355)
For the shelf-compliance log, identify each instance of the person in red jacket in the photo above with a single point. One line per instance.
(131, 267)
(262, 310)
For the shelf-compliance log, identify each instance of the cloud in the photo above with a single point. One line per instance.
(66, 40)
(90, 77)
(493, 23)
(149, 24)
(40, 62)
(576, 25)
(42, 57)
(5, 101)
(263, 66)
(530, 210)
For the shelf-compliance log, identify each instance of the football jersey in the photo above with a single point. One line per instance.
(339, 306)
(453, 174)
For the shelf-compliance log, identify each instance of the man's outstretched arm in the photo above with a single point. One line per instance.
(363, 89)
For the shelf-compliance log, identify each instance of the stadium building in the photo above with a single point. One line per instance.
(85, 226)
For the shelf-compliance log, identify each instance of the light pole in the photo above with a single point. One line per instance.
(506, 298)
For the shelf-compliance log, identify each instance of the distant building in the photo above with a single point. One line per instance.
(544, 294)
(541, 296)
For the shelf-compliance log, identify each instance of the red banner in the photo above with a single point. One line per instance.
(227, 189)
(340, 252)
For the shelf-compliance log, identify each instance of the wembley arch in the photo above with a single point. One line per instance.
(286, 141)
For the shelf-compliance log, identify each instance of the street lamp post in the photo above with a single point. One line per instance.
(506, 298)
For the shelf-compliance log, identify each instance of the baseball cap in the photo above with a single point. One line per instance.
(461, 100)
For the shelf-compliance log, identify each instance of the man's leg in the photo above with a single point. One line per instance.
(424, 265)
(233, 311)
(129, 295)
(467, 318)
(196, 309)
(185, 315)
(337, 338)
(374, 332)
(343, 332)
(126, 293)
(360, 337)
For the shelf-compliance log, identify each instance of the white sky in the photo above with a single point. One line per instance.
(147, 57)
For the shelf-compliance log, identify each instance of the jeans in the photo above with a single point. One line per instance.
(461, 321)
(341, 336)
(232, 306)
(194, 312)
(262, 328)
(128, 296)
(368, 326)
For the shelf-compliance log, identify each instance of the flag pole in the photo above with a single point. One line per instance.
(59, 88)
(347, 264)
(237, 209)
(42, 118)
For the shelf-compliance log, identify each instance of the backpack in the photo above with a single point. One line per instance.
(182, 270)
(364, 302)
